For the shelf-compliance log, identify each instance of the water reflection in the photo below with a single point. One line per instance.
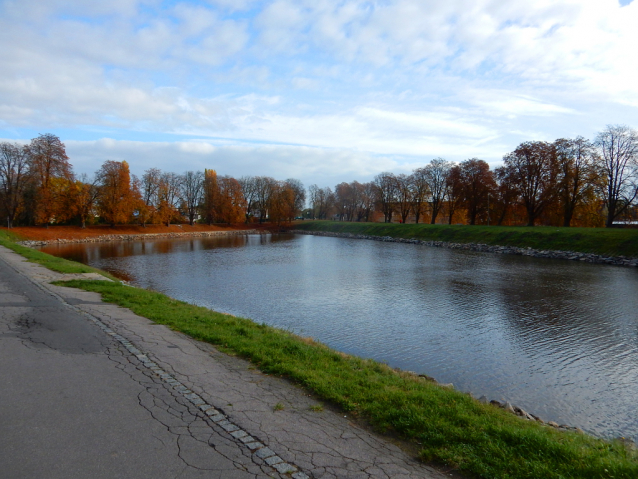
(557, 338)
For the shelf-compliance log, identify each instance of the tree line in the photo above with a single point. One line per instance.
(38, 187)
(564, 183)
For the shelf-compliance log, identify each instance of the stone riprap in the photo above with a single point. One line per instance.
(568, 255)
(141, 237)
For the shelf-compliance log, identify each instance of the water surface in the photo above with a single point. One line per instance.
(557, 338)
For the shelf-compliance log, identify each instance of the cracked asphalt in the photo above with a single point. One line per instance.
(89, 389)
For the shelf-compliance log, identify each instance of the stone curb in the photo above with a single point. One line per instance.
(243, 438)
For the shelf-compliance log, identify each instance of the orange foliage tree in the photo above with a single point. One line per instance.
(49, 168)
(117, 197)
(231, 206)
(210, 196)
(84, 194)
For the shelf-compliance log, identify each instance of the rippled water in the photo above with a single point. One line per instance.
(557, 338)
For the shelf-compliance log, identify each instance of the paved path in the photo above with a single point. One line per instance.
(89, 389)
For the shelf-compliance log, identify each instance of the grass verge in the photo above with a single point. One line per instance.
(603, 241)
(8, 240)
(448, 426)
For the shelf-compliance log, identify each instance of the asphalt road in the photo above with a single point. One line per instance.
(90, 390)
(74, 405)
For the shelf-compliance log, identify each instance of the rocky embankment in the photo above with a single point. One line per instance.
(138, 237)
(569, 255)
(503, 405)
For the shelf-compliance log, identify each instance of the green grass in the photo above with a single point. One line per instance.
(448, 426)
(8, 239)
(445, 425)
(603, 241)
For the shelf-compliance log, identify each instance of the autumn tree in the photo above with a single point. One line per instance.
(404, 198)
(476, 183)
(149, 188)
(14, 175)
(210, 196)
(168, 194)
(265, 187)
(533, 169)
(420, 192)
(617, 165)
(117, 198)
(282, 202)
(299, 196)
(48, 166)
(455, 191)
(366, 200)
(322, 201)
(191, 189)
(386, 194)
(345, 201)
(249, 190)
(231, 205)
(85, 193)
(436, 177)
(505, 195)
(575, 160)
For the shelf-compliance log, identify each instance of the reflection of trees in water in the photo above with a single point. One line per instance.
(555, 336)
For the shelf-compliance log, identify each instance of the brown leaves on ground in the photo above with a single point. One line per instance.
(39, 233)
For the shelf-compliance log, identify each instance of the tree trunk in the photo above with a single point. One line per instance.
(567, 218)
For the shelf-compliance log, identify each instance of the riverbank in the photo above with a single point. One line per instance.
(40, 236)
(593, 245)
(141, 237)
(441, 424)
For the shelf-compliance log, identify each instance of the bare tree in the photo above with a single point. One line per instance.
(150, 184)
(321, 201)
(14, 171)
(505, 195)
(191, 190)
(168, 195)
(420, 192)
(249, 189)
(299, 196)
(455, 191)
(386, 194)
(575, 160)
(404, 195)
(618, 168)
(265, 186)
(366, 198)
(435, 175)
(533, 169)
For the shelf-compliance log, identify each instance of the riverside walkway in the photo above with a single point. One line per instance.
(89, 389)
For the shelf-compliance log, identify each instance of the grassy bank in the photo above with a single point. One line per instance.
(603, 241)
(445, 425)
(448, 426)
(8, 239)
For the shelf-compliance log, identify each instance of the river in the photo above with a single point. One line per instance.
(556, 338)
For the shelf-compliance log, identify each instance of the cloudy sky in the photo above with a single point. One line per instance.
(320, 90)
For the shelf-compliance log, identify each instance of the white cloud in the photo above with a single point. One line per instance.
(325, 167)
(393, 79)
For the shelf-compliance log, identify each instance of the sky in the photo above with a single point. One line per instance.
(319, 90)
